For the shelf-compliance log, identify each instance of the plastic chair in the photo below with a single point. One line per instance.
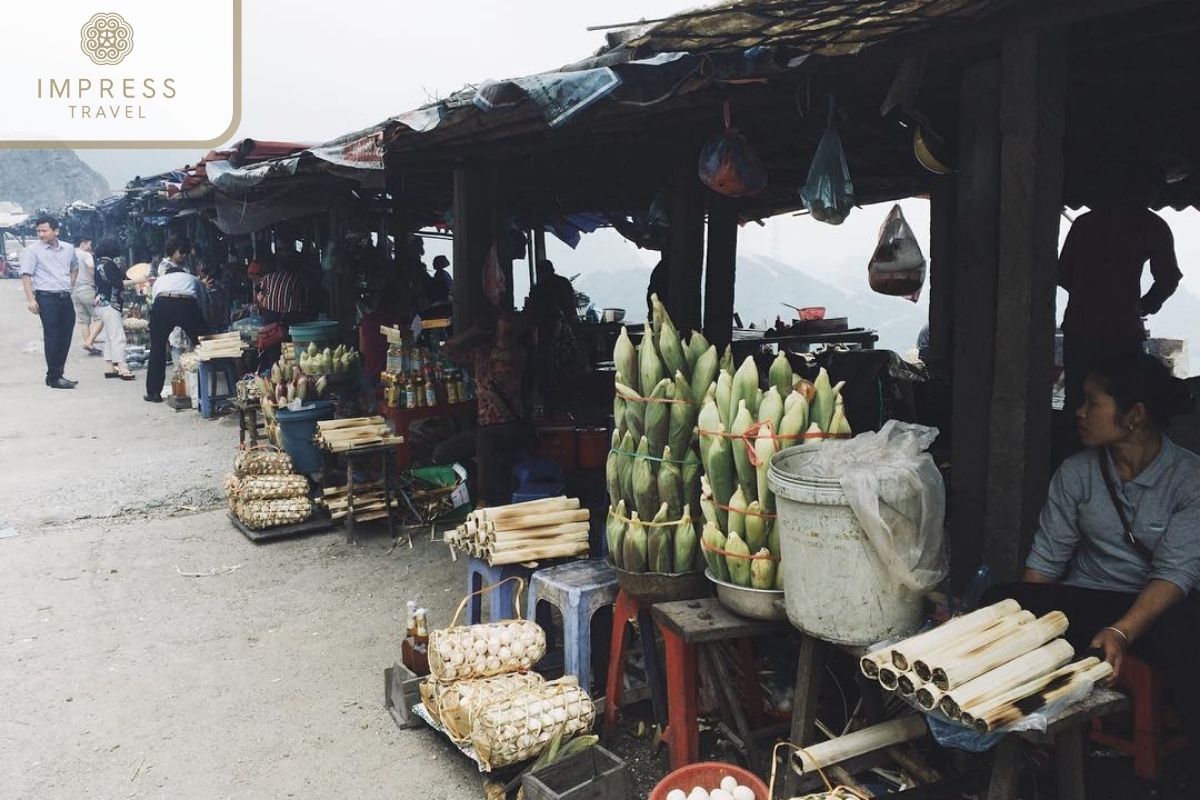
(211, 400)
(1150, 743)
(578, 590)
(537, 491)
(535, 471)
(502, 604)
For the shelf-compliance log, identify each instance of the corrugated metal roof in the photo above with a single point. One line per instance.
(829, 28)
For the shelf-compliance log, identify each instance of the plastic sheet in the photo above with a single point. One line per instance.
(897, 493)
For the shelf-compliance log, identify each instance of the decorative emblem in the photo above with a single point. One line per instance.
(106, 39)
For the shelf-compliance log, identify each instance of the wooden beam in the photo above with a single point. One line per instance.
(974, 334)
(472, 239)
(1032, 84)
(942, 202)
(720, 269)
(685, 248)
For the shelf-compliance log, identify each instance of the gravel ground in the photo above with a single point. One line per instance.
(123, 676)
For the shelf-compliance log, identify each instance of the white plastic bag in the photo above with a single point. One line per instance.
(897, 493)
(897, 267)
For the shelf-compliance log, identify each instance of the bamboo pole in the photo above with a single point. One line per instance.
(889, 678)
(1025, 639)
(971, 713)
(905, 652)
(335, 424)
(907, 684)
(533, 543)
(1001, 627)
(871, 662)
(538, 520)
(928, 696)
(496, 513)
(1032, 665)
(1017, 707)
(834, 751)
(538, 533)
(538, 553)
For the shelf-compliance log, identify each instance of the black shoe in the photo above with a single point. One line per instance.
(152, 399)
(61, 383)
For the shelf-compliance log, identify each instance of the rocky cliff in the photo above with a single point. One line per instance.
(49, 179)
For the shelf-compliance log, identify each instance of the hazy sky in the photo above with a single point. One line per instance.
(312, 76)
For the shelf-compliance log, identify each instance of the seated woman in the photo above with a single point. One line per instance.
(1118, 545)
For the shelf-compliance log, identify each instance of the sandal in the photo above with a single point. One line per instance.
(112, 374)
(127, 376)
(91, 351)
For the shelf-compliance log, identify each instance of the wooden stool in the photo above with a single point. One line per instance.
(626, 608)
(691, 629)
(1150, 743)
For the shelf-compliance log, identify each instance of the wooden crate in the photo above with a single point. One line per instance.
(402, 691)
(594, 774)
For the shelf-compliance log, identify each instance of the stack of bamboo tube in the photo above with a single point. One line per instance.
(340, 435)
(221, 345)
(369, 502)
(555, 527)
(986, 669)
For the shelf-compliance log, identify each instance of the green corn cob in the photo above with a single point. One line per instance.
(780, 375)
(778, 576)
(658, 315)
(737, 513)
(634, 546)
(615, 532)
(722, 395)
(745, 387)
(709, 420)
(738, 559)
(658, 543)
(773, 540)
(764, 449)
(697, 346)
(839, 426)
(762, 571)
(722, 476)
(794, 422)
(727, 360)
(650, 368)
(821, 411)
(691, 482)
(713, 538)
(703, 374)
(685, 543)
(658, 416)
(619, 406)
(626, 361)
(771, 409)
(645, 482)
(672, 350)
(741, 456)
(670, 485)
(612, 471)
(635, 411)
(707, 508)
(682, 417)
(628, 447)
(756, 527)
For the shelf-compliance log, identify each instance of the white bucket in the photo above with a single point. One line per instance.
(834, 586)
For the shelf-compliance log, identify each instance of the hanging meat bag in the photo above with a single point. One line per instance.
(729, 165)
(898, 267)
(828, 194)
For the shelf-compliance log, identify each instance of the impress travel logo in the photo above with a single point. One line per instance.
(136, 74)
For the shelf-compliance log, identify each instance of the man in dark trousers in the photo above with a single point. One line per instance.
(554, 291)
(1101, 268)
(48, 272)
(177, 297)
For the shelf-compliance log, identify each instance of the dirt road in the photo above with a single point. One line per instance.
(123, 676)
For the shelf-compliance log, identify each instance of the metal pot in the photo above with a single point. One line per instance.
(748, 602)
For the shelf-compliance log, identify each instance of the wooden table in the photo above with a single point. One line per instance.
(249, 422)
(385, 453)
(691, 629)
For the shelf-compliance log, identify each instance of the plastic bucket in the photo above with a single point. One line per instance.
(708, 775)
(322, 334)
(297, 429)
(591, 447)
(835, 587)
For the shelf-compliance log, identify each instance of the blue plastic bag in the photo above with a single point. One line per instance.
(828, 194)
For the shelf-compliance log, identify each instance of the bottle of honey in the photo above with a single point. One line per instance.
(410, 637)
(420, 650)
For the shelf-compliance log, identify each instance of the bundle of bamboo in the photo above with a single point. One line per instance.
(987, 669)
(369, 502)
(340, 435)
(555, 527)
(221, 345)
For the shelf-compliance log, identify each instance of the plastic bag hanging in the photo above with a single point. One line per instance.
(897, 267)
(729, 166)
(828, 193)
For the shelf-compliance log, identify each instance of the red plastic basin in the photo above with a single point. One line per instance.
(707, 774)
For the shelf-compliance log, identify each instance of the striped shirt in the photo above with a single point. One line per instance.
(280, 292)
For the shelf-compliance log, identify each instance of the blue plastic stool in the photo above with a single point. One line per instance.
(502, 601)
(535, 471)
(212, 401)
(537, 491)
(578, 589)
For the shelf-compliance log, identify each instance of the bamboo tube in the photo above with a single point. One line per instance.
(907, 684)
(928, 697)
(1040, 694)
(924, 665)
(889, 678)
(1032, 665)
(834, 751)
(548, 530)
(496, 513)
(335, 424)
(905, 652)
(525, 545)
(1026, 638)
(539, 520)
(871, 662)
(538, 553)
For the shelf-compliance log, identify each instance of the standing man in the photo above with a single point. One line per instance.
(177, 298)
(83, 295)
(441, 283)
(48, 272)
(554, 291)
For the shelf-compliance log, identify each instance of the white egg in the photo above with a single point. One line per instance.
(698, 793)
(743, 793)
(719, 794)
(676, 794)
(729, 783)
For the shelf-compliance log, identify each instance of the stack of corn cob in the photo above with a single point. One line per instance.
(554, 527)
(654, 466)
(987, 669)
(740, 428)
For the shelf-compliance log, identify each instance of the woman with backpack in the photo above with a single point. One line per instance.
(110, 283)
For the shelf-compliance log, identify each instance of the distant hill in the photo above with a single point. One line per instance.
(49, 179)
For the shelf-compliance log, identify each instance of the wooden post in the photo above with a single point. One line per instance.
(942, 201)
(1031, 168)
(685, 249)
(720, 269)
(501, 236)
(974, 338)
(472, 238)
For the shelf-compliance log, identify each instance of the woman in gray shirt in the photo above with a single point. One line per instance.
(1118, 544)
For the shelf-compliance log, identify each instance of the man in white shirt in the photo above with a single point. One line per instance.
(49, 269)
(83, 295)
(176, 304)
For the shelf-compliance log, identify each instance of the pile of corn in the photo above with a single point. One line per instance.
(740, 428)
(264, 492)
(654, 466)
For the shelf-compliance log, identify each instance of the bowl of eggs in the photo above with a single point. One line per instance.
(710, 780)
